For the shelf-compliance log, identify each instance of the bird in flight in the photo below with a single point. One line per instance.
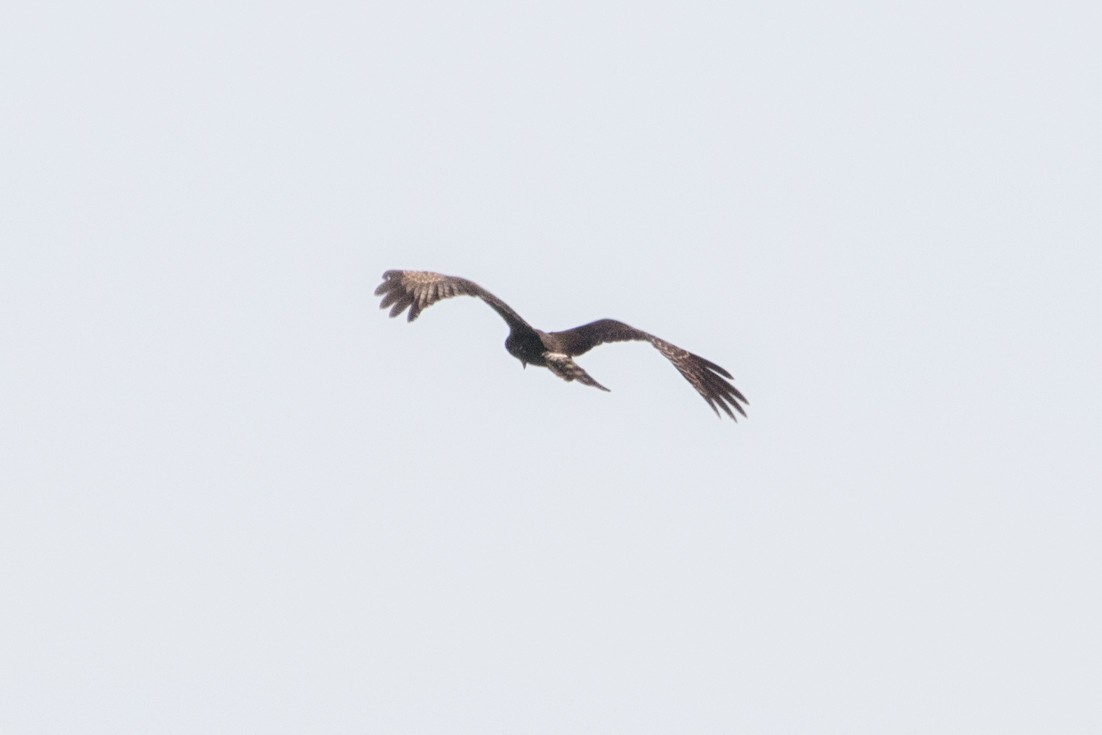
(417, 290)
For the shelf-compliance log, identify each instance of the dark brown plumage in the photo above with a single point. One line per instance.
(417, 290)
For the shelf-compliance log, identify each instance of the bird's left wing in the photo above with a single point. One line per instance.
(710, 380)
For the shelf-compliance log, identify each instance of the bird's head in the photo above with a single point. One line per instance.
(516, 349)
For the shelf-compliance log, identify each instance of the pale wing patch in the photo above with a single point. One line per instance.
(418, 290)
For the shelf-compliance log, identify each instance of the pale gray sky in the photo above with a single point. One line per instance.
(238, 498)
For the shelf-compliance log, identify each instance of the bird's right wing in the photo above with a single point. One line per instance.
(418, 290)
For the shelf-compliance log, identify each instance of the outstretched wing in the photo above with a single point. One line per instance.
(710, 380)
(417, 290)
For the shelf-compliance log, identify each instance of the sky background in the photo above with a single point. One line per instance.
(236, 497)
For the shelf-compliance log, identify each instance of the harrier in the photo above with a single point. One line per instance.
(417, 290)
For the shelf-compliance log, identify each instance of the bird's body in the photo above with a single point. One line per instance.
(417, 290)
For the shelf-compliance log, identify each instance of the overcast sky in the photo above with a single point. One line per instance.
(236, 497)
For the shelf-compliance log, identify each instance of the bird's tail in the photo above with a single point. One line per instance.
(569, 370)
